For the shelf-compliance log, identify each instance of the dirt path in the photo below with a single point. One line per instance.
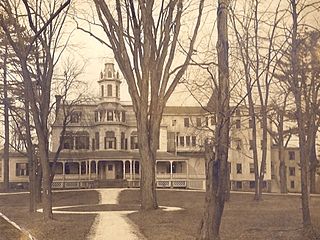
(112, 225)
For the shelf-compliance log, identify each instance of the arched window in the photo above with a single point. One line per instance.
(117, 91)
(109, 74)
(109, 89)
(110, 140)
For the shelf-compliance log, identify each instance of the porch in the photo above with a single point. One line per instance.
(122, 173)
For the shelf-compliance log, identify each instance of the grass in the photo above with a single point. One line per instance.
(63, 227)
(276, 217)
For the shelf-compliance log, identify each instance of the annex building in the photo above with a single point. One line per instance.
(100, 148)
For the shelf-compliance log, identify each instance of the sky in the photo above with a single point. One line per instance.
(93, 54)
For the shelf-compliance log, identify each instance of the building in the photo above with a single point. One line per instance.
(100, 148)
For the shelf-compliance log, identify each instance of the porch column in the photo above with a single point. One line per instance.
(134, 169)
(89, 169)
(97, 169)
(171, 174)
(130, 169)
(79, 169)
(187, 180)
(63, 173)
(124, 169)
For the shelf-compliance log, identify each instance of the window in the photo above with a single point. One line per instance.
(101, 115)
(238, 144)
(83, 167)
(194, 141)
(250, 123)
(102, 90)
(292, 155)
(75, 117)
(123, 117)
(174, 122)
(109, 88)
(239, 168)
(198, 122)
(109, 74)
(238, 112)
(136, 167)
(250, 144)
(110, 167)
(123, 137)
(262, 143)
(134, 140)
(238, 124)
(97, 140)
(292, 184)
(82, 140)
(264, 184)
(96, 116)
(252, 184)
(109, 115)
(292, 171)
(187, 140)
(68, 141)
(238, 184)
(22, 169)
(182, 140)
(117, 91)
(110, 140)
(207, 121)
(251, 165)
(186, 122)
(0, 169)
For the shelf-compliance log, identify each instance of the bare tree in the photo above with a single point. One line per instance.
(259, 55)
(144, 37)
(217, 163)
(44, 22)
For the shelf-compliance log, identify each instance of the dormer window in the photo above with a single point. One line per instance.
(109, 74)
(109, 90)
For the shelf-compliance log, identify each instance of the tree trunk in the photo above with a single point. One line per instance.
(148, 157)
(313, 163)
(218, 169)
(296, 88)
(282, 165)
(6, 125)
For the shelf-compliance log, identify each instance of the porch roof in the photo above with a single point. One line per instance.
(114, 155)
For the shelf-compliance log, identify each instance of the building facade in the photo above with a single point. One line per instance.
(100, 147)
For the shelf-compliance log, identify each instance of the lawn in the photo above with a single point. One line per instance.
(276, 217)
(63, 227)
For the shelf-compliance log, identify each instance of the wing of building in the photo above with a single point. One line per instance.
(100, 146)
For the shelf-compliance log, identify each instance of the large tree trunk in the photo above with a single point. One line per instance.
(313, 162)
(218, 169)
(148, 133)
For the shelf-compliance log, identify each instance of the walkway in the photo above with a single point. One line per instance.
(112, 224)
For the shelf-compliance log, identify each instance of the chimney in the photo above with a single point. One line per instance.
(58, 103)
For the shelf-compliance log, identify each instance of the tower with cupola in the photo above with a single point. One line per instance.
(109, 84)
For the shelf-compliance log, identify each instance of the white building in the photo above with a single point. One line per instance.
(100, 148)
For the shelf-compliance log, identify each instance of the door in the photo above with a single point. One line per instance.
(110, 171)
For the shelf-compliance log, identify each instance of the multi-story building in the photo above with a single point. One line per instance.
(100, 147)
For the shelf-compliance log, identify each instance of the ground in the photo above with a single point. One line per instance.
(276, 217)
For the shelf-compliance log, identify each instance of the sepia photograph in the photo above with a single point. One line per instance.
(159, 120)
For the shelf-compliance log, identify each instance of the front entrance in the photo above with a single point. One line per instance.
(108, 170)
